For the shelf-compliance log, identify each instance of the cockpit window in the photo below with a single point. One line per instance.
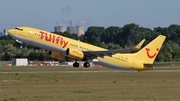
(19, 29)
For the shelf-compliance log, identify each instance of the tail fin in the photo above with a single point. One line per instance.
(150, 51)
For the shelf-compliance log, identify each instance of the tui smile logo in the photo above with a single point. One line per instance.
(149, 55)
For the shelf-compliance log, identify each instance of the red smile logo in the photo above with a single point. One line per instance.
(151, 56)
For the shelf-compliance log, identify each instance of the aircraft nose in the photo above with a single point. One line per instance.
(10, 31)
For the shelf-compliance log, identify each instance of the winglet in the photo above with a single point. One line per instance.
(138, 46)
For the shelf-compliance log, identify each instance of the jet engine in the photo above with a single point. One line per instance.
(75, 54)
(56, 55)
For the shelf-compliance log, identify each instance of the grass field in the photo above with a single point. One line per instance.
(17, 84)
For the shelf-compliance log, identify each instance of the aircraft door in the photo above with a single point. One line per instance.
(30, 33)
(133, 63)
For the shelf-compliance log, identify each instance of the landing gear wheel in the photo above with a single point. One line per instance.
(20, 47)
(75, 65)
(86, 64)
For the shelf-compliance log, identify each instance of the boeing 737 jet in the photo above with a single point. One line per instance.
(61, 47)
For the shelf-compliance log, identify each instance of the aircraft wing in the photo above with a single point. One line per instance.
(111, 52)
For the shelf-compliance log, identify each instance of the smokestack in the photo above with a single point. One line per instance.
(70, 23)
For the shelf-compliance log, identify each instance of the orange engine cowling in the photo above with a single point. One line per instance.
(56, 55)
(75, 54)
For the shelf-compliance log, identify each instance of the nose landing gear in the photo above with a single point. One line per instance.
(20, 46)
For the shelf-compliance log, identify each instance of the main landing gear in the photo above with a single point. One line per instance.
(86, 64)
(76, 64)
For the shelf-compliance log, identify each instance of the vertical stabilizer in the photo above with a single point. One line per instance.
(150, 51)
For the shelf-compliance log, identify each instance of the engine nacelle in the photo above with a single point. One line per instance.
(56, 55)
(75, 54)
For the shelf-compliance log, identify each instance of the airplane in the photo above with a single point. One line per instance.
(61, 47)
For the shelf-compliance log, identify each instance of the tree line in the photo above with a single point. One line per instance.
(113, 37)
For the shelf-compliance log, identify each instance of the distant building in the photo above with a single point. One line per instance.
(55, 29)
(1, 33)
(19, 62)
(71, 30)
(60, 29)
(80, 30)
(4, 32)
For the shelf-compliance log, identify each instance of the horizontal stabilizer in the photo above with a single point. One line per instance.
(162, 64)
(138, 46)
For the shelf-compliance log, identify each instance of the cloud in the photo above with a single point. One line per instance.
(83, 22)
(61, 22)
(66, 10)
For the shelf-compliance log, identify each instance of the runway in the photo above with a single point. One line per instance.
(80, 71)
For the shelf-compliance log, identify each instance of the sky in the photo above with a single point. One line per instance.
(46, 14)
